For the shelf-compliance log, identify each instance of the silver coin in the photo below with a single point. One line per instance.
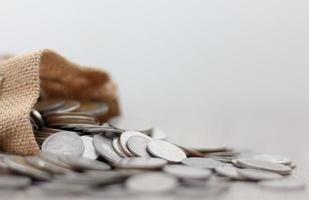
(117, 148)
(63, 143)
(273, 158)
(11, 181)
(283, 184)
(151, 182)
(207, 163)
(137, 145)
(89, 150)
(48, 105)
(127, 123)
(18, 165)
(124, 137)
(45, 165)
(166, 150)
(257, 174)
(228, 171)
(54, 159)
(56, 188)
(69, 106)
(158, 134)
(264, 165)
(141, 163)
(104, 147)
(187, 172)
(84, 163)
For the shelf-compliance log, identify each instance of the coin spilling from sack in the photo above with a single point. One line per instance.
(128, 156)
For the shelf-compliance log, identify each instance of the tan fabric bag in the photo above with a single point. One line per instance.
(20, 81)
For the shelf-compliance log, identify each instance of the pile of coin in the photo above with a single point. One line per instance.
(80, 155)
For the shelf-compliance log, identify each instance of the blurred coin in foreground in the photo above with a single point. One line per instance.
(63, 143)
(166, 150)
(151, 182)
(81, 163)
(186, 172)
(141, 163)
(283, 184)
(273, 158)
(228, 171)
(14, 182)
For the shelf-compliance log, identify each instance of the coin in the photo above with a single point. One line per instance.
(264, 165)
(141, 163)
(89, 149)
(95, 108)
(117, 148)
(69, 106)
(273, 158)
(151, 182)
(283, 184)
(84, 163)
(44, 165)
(54, 159)
(63, 143)
(17, 165)
(48, 104)
(137, 145)
(228, 171)
(12, 181)
(104, 147)
(186, 172)
(257, 174)
(37, 117)
(165, 150)
(207, 163)
(127, 123)
(124, 137)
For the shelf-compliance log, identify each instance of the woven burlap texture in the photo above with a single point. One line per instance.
(24, 76)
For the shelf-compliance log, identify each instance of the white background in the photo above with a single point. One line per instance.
(207, 72)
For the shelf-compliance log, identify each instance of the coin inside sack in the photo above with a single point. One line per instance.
(207, 163)
(63, 143)
(95, 108)
(166, 150)
(186, 172)
(264, 165)
(68, 106)
(137, 145)
(141, 163)
(48, 104)
(151, 182)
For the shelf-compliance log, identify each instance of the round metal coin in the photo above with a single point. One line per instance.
(124, 137)
(166, 150)
(104, 147)
(141, 163)
(257, 174)
(63, 143)
(207, 163)
(186, 172)
(151, 182)
(84, 163)
(89, 150)
(137, 145)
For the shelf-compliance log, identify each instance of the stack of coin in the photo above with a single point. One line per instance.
(129, 156)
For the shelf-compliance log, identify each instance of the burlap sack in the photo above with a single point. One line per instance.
(22, 77)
